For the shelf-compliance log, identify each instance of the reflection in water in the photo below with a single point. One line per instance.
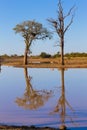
(62, 104)
(0, 65)
(32, 99)
(0, 68)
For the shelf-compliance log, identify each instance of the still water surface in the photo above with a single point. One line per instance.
(34, 96)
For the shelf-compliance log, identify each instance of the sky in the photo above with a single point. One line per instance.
(13, 12)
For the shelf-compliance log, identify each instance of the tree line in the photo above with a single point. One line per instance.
(57, 55)
(47, 55)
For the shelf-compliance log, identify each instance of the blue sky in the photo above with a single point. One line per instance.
(13, 12)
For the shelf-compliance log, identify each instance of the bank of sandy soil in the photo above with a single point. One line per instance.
(3, 127)
(74, 62)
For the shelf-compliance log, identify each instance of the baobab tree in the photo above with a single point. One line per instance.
(31, 31)
(59, 25)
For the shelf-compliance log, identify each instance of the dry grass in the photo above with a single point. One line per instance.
(76, 62)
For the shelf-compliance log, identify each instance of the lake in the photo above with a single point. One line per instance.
(43, 97)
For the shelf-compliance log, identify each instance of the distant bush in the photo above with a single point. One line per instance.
(56, 55)
(45, 55)
(5, 55)
(76, 54)
(14, 55)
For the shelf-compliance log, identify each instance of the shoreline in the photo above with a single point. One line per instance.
(45, 65)
(45, 62)
(14, 127)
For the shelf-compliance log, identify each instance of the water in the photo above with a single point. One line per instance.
(30, 97)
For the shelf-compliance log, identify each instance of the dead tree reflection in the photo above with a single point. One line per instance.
(62, 104)
(32, 99)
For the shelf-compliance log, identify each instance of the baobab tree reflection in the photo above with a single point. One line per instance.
(32, 99)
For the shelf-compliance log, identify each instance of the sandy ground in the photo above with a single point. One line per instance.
(80, 62)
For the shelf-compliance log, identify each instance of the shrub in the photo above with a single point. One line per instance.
(45, 55)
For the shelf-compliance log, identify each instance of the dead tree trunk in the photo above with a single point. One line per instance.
(62, 50)
(60, 28)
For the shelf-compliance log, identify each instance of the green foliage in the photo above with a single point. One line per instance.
(56, 55)
(5, 56)
(76, 54)
(45, 55)
(68, 55)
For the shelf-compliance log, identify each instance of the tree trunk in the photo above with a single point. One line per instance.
(25, 56)
(62, 50)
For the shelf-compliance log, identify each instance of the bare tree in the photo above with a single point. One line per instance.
(30, 31)
(59, 26)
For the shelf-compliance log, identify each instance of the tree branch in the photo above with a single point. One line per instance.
(69, 24)
(54, 23)
(69, 12)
